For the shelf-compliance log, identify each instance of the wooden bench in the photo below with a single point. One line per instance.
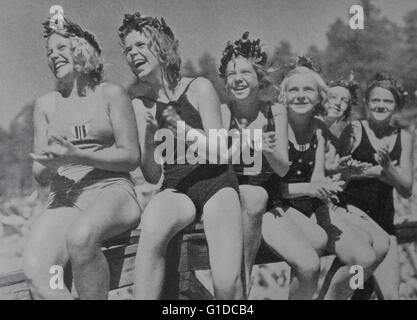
(187, 253)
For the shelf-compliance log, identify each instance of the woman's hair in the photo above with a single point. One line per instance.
(252, 51)
(86, 51)
(352, 86)
(162, 42)
(386, 81)
(304, 66)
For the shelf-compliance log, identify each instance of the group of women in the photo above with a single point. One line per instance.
(326, 184)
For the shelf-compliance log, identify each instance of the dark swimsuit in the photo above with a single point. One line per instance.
(267, 178)
(198, 181)
(373, 196)
(302, 164)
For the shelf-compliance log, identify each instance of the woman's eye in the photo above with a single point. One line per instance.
(61, 47)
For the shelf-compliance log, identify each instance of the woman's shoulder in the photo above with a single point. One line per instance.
(198, 84)
(111, 89)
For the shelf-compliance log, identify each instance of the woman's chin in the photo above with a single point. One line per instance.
(381, 117)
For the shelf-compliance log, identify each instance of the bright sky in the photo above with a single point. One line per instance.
(200, 25)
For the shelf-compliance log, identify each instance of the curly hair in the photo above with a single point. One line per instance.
(252, 51)
(85, 50)
(162, 42)
(321, 85)
(386, 81)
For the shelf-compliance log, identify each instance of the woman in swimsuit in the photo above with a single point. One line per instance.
(370, 253)
(287, 227)
(253, 105)
(85, 145)
(390, 151)
(191, 190)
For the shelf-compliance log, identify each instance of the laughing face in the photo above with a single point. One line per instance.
(302, 93)
(381, 104)
(60, 55)
(337, 102)
(241, 79)
(142, 61)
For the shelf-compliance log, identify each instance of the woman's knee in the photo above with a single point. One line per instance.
(81, 240)
(254, 200)
(361, 254)
(319, 240)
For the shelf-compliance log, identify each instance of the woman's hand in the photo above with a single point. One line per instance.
(59, 153)
(348, 166)
(151, 128)
(326, 189)
(170, 119)
(383, 158)
(269, 141)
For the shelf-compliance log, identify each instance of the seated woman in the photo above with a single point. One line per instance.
(287, 227)
(85, 145)
(253, 105)
(390, 151)
(337, 107)
(303, 91)
(191, 190)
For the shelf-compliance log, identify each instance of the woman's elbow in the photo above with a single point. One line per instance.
(132, 160)
(282, 169)
(407, 192)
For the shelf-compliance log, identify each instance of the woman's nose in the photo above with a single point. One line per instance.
(300, 96)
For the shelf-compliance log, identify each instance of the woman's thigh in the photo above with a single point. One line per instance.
(167, 213)
(312, 231)
(110, 213)
(286, 238)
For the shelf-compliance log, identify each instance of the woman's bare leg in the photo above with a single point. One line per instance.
(289, 241)
(223, 227)
(46, 247)
(113, 212)
(165, 215)
(253, 200)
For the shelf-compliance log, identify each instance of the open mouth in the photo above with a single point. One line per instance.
(240, 88)
(335, 109)
(60, 64)
(380, 110)
(138, 63)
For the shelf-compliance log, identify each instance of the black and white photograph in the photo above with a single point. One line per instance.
(208, 150)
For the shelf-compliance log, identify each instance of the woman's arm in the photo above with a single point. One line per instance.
(41, 173)
(205, 98)
(151, 166)
(279, 158)
(401, 178)
(124, 155)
